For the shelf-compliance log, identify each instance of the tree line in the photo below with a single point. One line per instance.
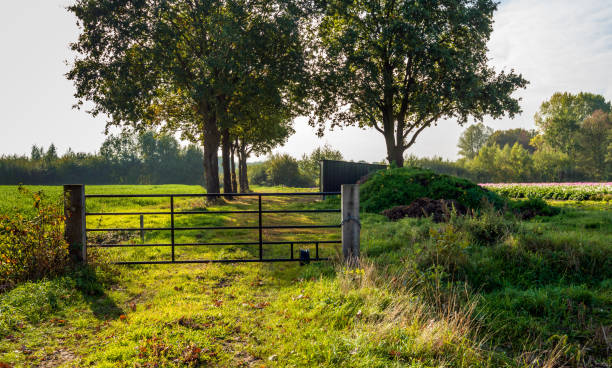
(122, 159)
(150, 158)
(232, 75)
(572, 142)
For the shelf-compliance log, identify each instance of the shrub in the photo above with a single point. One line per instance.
(32, 246)
(401, 186)
(279, 169)
(489, 227)
(533, 207)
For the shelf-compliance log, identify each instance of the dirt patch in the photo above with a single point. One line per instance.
(438, 209)
(57, 358)
(111, 237)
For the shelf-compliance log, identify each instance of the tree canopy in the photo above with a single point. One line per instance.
(183, 65)
(511, 136)
(560, 117)
(401, 66)
(472, 139)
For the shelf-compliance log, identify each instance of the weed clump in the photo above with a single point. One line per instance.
(439, 210)
(32, 246)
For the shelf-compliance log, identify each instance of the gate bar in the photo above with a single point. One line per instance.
(172, 224)
(209, 195)
(206, 212)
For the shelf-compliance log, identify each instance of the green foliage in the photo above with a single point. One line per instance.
(32, 247)
(401, 186)
(184, 67)
(279, 169)
(510, 163)
(310, 164)
(539, 283)
(126, 158)
(560, 117)
(401, 66)
(557, 191)
(594, 138)
(512, 136)
(472, 139)
(533, 207)
(33, 302)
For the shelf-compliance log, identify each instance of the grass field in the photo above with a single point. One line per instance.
(475, 292)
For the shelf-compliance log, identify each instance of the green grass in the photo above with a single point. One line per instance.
(484, 292)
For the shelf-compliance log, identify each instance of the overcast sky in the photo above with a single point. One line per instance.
(558, 45)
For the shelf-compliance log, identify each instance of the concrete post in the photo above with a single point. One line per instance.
(351, 226)
(74, 229)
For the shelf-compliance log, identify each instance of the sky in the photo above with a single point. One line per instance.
(558, 45)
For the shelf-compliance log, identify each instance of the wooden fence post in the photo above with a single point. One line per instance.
(142, 229)
(351, 226)
(74, 229)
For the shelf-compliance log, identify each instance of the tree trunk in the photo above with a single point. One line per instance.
(233, 162)
(395, 153)
(211, 158)
(227, 172)
(243, 178)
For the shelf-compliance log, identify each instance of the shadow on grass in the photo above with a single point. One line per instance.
(91, 285)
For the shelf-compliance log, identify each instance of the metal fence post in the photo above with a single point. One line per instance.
(350, 222)
(260, 231)
(74, 229)
(172, 224)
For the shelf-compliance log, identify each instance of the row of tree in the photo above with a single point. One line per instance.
(150, 158)
(234, 74)
(122, 159)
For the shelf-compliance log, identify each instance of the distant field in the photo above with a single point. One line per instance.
(558, 191)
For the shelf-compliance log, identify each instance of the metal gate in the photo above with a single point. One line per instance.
(173, 229)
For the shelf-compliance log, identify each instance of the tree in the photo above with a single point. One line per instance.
(37, 153)
(609, 154)
(593, 139)
(310, 164)
(261, 129)
(282, 169)
(512, 136)
(552, 165)
(181, 65)
(559, 118)
(51, 154)
(484, 163)
(401, 66)
(472, 139)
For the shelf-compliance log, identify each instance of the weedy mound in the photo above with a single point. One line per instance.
(440, 209)
(402, 186)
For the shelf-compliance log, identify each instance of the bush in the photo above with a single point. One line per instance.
(401, 186)
(279, 169)
(533, 207)
(32, 246)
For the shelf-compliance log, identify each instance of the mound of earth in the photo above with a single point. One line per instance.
(386, 189)
(438, 209)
